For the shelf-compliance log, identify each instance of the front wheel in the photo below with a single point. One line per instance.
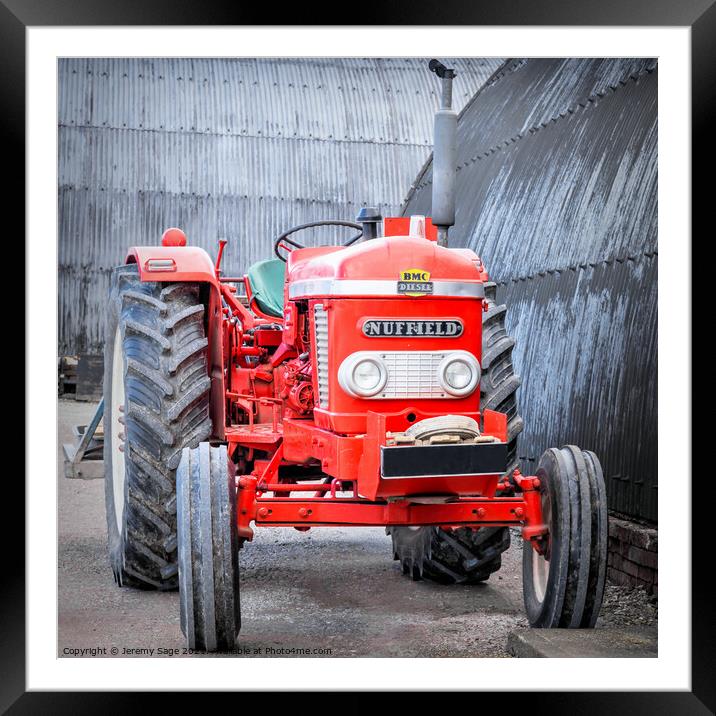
(208, 548)
(564, 584)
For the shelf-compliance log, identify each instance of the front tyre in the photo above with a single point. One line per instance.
(208, 549)
(564, 586)
(156, 398)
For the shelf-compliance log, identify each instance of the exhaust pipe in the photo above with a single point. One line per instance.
(444, 155)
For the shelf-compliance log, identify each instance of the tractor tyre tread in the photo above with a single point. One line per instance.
(166, 410)
(207, 546)
(460, 556)
(499, 384)
(572, 484)
(600, 539)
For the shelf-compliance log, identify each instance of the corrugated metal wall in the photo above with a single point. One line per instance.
(240, 149)
(557, 191)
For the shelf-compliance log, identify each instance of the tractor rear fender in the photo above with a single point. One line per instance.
(172, 264)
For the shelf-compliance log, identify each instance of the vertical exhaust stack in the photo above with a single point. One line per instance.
(444, 155)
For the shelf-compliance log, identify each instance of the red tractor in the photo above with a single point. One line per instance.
(369, 383)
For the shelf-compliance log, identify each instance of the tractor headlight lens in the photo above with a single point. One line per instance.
(362, 376)
(459, 374)
(366, 376)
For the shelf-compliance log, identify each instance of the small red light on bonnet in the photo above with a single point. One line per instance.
(173, 237)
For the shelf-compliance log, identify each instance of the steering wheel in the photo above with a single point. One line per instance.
(283, 242)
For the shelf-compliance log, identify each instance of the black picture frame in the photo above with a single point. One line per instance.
(699, 15)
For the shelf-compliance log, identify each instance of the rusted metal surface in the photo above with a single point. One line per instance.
(239, 149)
(556, 190)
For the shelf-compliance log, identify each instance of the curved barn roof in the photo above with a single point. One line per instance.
(557, 192)
(239, 149)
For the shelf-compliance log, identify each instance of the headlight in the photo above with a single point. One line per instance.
(366, 376)
(362, 376)
(459, 373)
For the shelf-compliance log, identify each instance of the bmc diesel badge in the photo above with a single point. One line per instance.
(415, 282)
(416, 328)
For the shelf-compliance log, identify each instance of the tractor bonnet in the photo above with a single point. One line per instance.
(385, 267)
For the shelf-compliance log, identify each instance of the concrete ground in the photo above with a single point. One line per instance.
(622, 642)
(331, 591)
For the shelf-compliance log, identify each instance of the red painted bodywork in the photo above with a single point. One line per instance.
(400, 226)
(174, 237)
(192, 264)
(347, 414)
(383, 259)
(265, 387)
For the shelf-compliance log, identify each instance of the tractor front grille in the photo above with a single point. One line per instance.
(320, 323)
(412, 374)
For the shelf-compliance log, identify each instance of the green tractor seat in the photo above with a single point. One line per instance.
(266, 279)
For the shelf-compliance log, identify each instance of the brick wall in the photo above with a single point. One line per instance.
(633, 555)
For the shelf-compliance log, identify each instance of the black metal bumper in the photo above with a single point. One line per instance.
(443, 460)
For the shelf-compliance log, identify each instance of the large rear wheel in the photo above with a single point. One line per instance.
(156, 398)
(459, 556)
(499, 384)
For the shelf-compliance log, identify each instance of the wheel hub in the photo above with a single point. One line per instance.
(540, 561)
